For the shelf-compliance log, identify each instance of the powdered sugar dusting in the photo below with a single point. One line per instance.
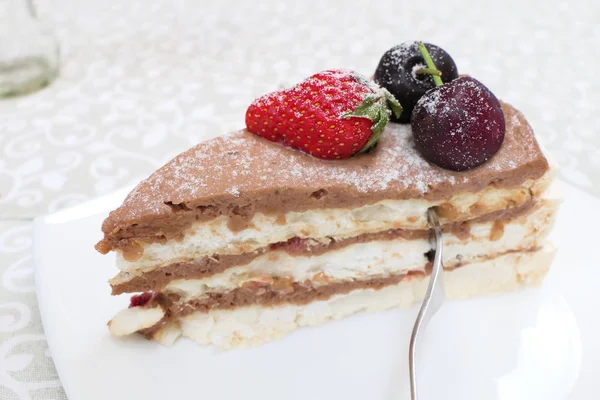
(401, 52)
(234, 191)
(397, 164)
(415, 68)
(430, 102)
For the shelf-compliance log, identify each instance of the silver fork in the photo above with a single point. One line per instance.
(434, 298)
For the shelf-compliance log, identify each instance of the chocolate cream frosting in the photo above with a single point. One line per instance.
(240, 174)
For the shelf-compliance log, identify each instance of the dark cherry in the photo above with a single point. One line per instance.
(397, 72)
(458, 125)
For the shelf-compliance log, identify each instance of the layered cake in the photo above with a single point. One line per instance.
(246, 237)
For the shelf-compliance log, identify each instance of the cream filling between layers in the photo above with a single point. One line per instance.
(214, 237)
(380, 258)
(254, 325)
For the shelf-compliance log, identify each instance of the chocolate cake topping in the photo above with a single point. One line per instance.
(239, 174)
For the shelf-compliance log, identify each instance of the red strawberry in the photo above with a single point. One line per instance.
(333, 114)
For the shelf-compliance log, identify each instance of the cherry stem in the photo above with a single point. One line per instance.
(429, 62)
(428, 71)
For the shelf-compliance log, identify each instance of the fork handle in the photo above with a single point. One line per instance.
(432, 302)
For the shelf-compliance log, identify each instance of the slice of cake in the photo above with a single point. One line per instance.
(240, 240)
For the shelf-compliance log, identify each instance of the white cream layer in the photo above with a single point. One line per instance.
(214, 237)
(380, 258)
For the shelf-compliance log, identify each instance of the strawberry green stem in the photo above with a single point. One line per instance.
(429, 62)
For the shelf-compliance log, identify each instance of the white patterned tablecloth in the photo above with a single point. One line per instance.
(141, 81)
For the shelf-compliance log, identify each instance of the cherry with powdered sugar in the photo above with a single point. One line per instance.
(403, 72)
(458, 125)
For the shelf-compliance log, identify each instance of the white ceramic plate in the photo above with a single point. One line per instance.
(535, 344)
